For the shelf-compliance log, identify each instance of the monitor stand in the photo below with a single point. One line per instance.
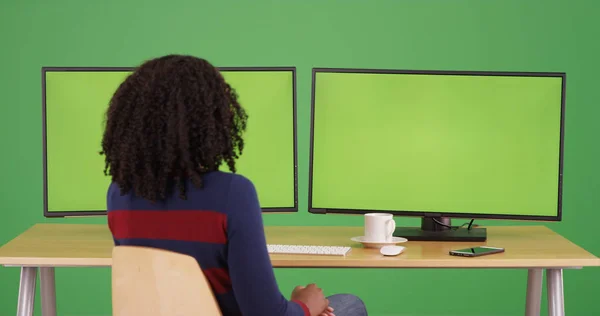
(432, 231)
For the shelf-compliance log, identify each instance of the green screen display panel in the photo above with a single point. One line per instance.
(75, 102)
(433, 143)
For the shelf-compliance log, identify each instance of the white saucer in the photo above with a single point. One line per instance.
(378, 244)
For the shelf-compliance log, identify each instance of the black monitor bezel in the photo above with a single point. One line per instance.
(76, 213)
(406, 213)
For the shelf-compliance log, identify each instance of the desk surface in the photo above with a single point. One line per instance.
(87, 245)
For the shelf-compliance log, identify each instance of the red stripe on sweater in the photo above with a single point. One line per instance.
(199, 226)
(219, 280)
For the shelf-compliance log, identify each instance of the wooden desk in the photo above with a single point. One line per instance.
(46, 246)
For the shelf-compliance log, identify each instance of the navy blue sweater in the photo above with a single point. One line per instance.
(221, 226)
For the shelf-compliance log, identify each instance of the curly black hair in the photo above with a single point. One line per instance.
(172, 120)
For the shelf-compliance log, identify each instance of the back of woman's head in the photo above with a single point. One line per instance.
(172, 120)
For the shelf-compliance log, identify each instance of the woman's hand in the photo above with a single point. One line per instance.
(328, 312)
(312, 296)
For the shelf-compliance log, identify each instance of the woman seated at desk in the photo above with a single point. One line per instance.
(169, 126)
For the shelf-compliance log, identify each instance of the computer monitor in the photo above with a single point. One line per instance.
(438, 145)
(74, 104)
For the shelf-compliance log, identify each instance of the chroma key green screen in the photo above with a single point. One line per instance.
(75, 102)
(459, 144)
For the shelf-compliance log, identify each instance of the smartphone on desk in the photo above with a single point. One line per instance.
(476, 251)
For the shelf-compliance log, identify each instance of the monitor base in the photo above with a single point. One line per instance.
(431, 230)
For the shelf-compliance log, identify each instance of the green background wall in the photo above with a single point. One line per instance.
(424, 34)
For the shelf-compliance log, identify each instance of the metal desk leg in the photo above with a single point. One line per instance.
(556, 297)
(48, 291)
(534, 292)
(26, 291)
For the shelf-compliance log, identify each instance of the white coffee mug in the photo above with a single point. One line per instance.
(379, 227)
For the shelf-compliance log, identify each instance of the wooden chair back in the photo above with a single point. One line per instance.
(155, 282)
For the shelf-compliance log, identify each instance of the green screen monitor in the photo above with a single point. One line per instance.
(437, 144)
(74, 104)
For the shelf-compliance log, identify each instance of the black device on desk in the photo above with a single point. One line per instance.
(476, 251)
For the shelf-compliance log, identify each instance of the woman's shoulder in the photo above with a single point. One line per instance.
(234, 181)
(216, 186)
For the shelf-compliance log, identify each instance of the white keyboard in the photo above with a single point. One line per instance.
(308, 250)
